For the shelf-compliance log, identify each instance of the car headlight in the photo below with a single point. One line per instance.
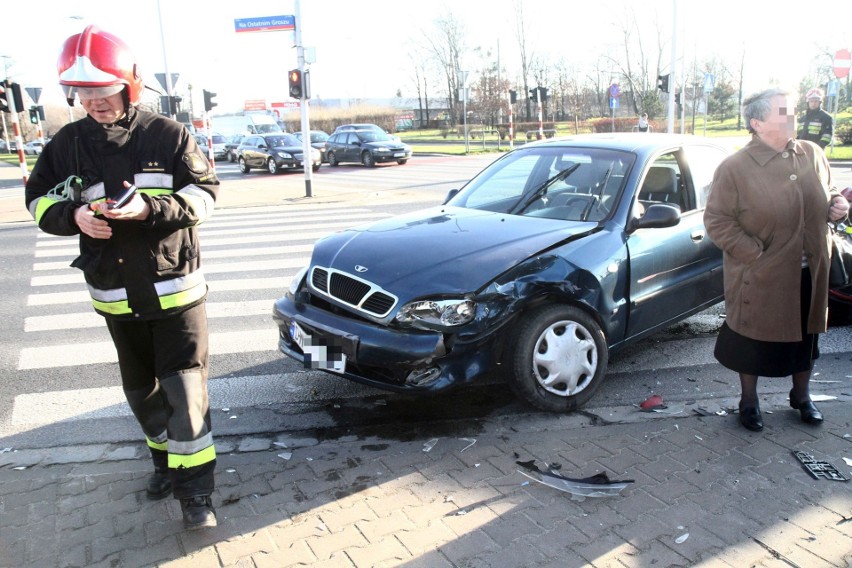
(382, 150)
(297, 280)
(446, 313)
(285, 155)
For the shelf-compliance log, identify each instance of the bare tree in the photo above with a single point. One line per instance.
(447, 45)
(526, 56)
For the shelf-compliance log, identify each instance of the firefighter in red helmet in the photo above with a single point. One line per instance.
(134, 186)
(816, 125)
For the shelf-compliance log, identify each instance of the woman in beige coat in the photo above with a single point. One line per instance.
(768, 210)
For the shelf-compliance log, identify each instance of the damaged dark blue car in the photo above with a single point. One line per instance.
(549, 260)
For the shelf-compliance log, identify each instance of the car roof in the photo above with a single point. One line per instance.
(637, 142)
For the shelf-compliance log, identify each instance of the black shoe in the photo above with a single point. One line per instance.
(810, 413)
(198, 512)
(750, 418)
(159, 485)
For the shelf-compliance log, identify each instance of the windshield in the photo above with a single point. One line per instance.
(374, 136)
(573, 184)
(319, 136)
(284, 140)
(218, 139)
(266, 128)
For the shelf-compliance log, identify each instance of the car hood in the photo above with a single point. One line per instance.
(446, 250)
(391, 144)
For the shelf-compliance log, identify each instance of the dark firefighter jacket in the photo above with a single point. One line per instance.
(147, 269)
(817, 126)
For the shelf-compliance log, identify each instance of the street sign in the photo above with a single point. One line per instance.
(842, 63)
(613, 102)
(34, 93)
(265, 24)
(832, 89)
(614, 91)
(161, 77)
(709, 82)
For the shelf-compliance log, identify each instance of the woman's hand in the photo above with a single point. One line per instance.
(838, 208)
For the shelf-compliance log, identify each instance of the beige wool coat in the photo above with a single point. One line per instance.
(766, 208)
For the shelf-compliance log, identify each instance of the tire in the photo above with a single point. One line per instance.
(558, 358)
(244, 168)
(402, 162)
(272, 166)
(332, 160)
(231, 157)
(367, 160)
(315, 167)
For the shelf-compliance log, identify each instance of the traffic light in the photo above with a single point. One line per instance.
(12, 90)
(543, 91)
(40, 110)
(677, 99)
(513, 96)
(534, 94)
(4, 104)
(208, 100)
(663, 83)
(34, 115)
(295, 77)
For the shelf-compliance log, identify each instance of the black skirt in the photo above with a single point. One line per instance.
(770, 358)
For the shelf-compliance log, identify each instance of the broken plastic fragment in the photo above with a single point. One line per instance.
(598, 485)
(285, 455)
(4, 450)
(819, 469)
(279, 444)
(20, 468)
(653, 401)
(430, 444)
(848, 461)
(226, 410)
(682, 538)
(471, 440)
(822, 397)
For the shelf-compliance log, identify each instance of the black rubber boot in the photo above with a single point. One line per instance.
(160, 483)
(198, 512)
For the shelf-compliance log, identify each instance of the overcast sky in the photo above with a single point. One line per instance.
(364, 52)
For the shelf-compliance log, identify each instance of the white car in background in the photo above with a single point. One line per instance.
(33, 148)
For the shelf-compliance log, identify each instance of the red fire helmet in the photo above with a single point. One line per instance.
(98, 61)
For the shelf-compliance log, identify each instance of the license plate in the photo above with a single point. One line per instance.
(317, 356)
(399, 155)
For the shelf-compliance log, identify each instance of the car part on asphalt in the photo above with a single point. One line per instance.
(598, 485)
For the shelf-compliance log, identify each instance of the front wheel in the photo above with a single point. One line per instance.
(558, 358)
(272, 166)
(315, 167)
(244, 167)
(401, 162)
(368, 160)
(332, 160)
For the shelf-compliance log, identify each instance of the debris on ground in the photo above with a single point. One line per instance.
(598, 485)
(652, 402)
(427, 446)
(819, 469)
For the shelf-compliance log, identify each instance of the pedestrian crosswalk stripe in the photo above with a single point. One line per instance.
(90, 319)
(37, 409)
(90, 353)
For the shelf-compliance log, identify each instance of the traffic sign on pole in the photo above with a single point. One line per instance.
(842, 63)
(614, 91)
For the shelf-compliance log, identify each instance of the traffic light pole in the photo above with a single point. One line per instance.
(16, 126)
(307, 163)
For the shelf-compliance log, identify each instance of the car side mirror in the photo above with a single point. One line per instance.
(450, 194)
(658, 216)
(262, 146)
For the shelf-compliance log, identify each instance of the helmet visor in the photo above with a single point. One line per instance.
(91, 92)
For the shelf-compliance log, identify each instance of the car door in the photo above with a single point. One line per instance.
(672, 269)
(252, 151)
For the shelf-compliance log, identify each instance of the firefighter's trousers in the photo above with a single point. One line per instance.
(164, 375)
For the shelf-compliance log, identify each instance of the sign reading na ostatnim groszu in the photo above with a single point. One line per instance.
(265, 24)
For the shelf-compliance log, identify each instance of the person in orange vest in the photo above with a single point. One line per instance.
(816, 125)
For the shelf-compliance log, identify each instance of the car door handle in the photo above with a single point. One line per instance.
(697, 235)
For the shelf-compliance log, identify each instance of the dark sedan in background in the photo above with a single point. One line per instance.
(553, 257)
(368, 147)
(318, 140)
(274, 153)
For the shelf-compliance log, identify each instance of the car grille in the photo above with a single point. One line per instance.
(353, 291)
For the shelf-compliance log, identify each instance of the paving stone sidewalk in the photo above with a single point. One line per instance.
(706, 493)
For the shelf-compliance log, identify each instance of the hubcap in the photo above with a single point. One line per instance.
(565, 358)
